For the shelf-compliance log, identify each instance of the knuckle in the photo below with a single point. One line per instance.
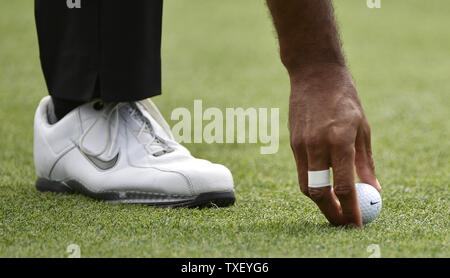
(314, 139)
(369, 153)
(304, 190)
(297, 142)
(358, 115)
(367, 129)
(342, 190)
(317, 194)
(355, 113)
(371, 163)
(341, 137)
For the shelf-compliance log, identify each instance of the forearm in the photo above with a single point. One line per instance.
(307, 33)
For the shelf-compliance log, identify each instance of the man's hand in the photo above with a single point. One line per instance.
(329, 129)
(327, 123)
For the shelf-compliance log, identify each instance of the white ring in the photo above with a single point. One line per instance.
(317, 179)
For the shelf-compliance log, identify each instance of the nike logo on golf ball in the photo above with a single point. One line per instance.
(373, 203)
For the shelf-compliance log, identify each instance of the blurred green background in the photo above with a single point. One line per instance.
(226, 54)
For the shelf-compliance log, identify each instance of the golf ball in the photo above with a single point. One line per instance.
(369, 202)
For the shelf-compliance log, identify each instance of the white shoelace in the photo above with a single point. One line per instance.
(110, 140)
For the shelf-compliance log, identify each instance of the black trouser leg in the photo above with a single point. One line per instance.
(105, 48)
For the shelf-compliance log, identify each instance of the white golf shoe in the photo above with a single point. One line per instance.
(123, 153)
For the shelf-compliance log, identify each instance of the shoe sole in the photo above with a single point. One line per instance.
(204, 200)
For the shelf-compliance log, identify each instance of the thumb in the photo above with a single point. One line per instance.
(365, 167)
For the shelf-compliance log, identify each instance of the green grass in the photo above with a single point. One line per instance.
(225, 53)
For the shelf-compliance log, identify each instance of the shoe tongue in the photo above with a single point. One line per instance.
(152, 111)
(160, 126)
(157, 128)
(138, 119)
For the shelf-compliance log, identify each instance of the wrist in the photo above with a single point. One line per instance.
(324, 77)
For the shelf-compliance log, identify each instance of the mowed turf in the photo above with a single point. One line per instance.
(225, 53)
